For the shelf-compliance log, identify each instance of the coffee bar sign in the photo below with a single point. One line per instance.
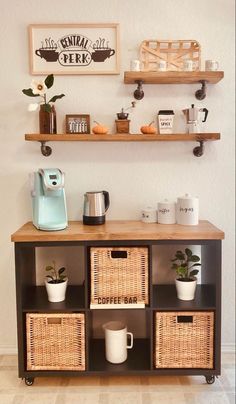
(74, 49)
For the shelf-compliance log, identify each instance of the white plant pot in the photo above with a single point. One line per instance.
(186, 290)
(56, 291)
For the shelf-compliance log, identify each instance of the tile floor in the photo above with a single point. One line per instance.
(117, 390)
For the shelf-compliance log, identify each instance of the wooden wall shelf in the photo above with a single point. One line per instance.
(202, 77)
(173, 77)
(184, 137)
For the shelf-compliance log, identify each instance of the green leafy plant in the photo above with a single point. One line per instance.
(38, 89)
(56, 275)
(183, 262)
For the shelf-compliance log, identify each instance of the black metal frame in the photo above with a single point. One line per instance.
(25, 267)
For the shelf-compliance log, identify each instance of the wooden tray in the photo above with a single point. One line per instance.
(173, 52)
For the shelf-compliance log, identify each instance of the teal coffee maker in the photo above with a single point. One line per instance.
(48, 199)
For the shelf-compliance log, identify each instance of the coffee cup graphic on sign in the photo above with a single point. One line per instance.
(48, 50)
(101, 51)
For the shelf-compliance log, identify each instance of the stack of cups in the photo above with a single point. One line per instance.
(166, 212)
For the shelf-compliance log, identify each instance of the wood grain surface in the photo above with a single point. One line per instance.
(120, 230)
(122, 137)
(172, 77)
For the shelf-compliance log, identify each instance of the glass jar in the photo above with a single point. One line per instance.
(47, 120)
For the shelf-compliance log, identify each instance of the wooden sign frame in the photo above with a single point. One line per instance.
(78, 123)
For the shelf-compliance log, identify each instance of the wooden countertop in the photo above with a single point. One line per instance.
(120, 230)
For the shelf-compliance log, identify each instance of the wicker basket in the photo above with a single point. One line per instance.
(174, 52)
(184, 340)
(55, 341)
(119, 275)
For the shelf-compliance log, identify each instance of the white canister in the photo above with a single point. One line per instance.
(149, 215)
(187, 210)
(116, 341)
(166, 212)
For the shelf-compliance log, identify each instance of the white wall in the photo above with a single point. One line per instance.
(135, 174)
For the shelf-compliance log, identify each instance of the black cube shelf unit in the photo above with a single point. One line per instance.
(32, 298)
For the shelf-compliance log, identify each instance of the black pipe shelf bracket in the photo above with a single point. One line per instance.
(45, 150)
(201, 93)
(139, 93)
(198, 151)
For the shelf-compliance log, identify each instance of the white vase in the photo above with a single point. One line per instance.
(186, 289)
(56, 291)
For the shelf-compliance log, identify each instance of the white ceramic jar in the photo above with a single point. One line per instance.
(166, 212)
(149, 215)
(187, 210)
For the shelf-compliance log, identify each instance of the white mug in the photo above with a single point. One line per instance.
(116, 341)
(162, 66)
(149, 215)
(135, 65)
(211, 65)
(189, 65)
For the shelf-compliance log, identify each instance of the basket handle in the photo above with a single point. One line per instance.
(184, 319)
(119, 254)
(54, 320)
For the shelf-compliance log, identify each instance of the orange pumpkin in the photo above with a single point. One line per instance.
(148, 129)
(99, 129)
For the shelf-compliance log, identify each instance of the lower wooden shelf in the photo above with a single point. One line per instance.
(122, 137)
(165, 298)
(138, 358)
(35, 300)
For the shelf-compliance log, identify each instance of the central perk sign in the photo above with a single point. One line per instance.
(74, 49)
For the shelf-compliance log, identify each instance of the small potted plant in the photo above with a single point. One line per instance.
(56, 283)
(186, 280)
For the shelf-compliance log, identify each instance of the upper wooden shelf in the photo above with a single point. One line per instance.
(201, 77)
(120, 230)
(122, 137)
(173, 77)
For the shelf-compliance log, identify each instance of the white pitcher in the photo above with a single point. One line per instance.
(116, 341)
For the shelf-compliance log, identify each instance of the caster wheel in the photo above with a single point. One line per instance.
(210, 379)
(29, 381)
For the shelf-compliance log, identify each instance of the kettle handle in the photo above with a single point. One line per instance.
(107, 199)
(206, 113)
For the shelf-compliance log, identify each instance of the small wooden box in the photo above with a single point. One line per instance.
(122, 125)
